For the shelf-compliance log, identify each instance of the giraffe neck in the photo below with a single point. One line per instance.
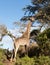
(27, 32)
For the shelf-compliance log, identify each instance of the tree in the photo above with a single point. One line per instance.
(43, 40)
(39, 10)
(3, 31)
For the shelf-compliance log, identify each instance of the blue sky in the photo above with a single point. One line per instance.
(11, 10)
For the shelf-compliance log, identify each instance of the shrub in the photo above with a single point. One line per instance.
(42, 60)
(2, 56)
(43, 40)
(1, 63)
(25, 61)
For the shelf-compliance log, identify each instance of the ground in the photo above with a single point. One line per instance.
(6, 62)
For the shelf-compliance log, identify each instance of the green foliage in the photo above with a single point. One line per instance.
(41, 60)
(1, 63)
(43, 40)
(2, 56)
(25, 61)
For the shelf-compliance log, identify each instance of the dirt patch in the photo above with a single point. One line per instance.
(6, 62)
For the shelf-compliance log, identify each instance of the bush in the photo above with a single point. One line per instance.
(43, 40)
(41, 60)
(25, 61)
(2, 56)
(1, 63)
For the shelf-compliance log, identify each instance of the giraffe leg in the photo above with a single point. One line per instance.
(26, 48)
(16, 53)
(12, 56)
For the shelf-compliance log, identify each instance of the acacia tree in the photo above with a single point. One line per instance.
(39, 10)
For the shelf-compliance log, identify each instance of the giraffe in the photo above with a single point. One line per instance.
(23, 40)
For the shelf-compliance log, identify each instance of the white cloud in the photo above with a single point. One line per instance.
(7, 42)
